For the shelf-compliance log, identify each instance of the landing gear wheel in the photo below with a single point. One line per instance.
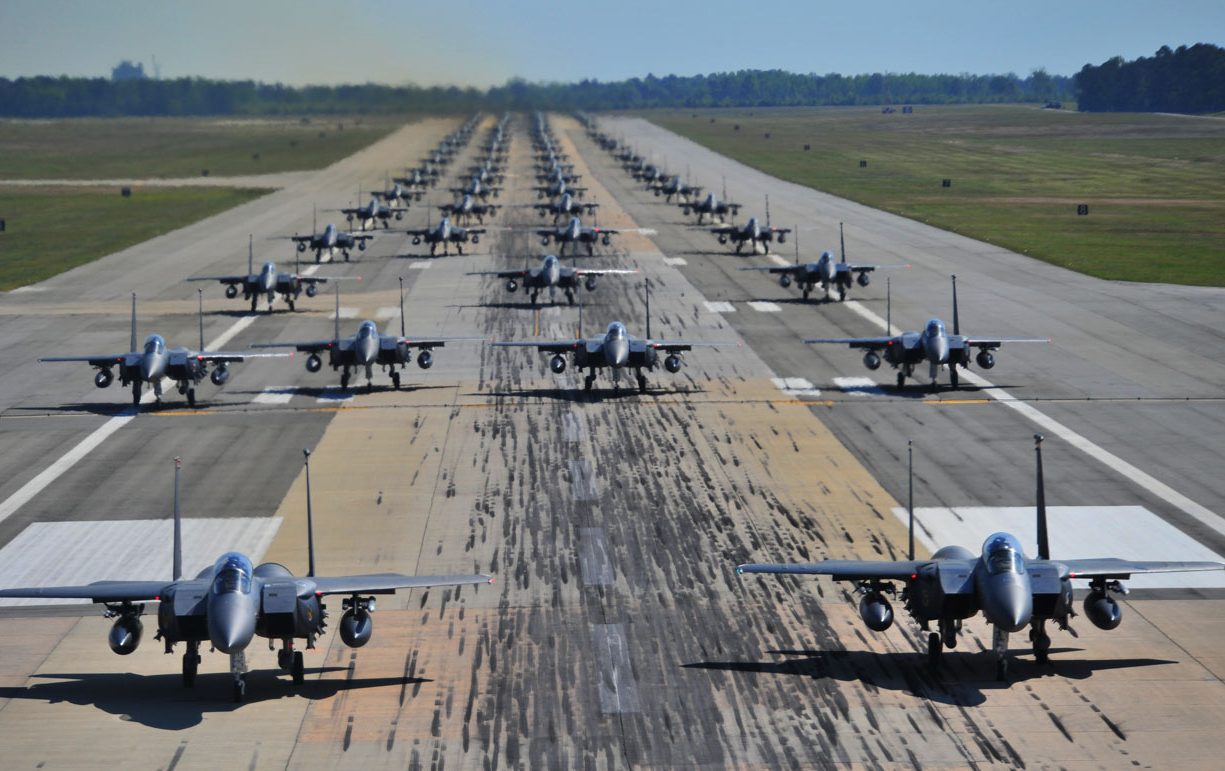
(136, 394)
(642, 383)
(533, 299)
(953, 375)
(806, 292)
(284, 658)
(395, 380)
(254, 303)
(587, 381)
(344, 380)
(191, 662)
(290, 307)
(841, 295)
(191, 397)
(1001, 671)
(901, 379)
(240, 691)
(299, 669)
(1042, 648)
(933, 651)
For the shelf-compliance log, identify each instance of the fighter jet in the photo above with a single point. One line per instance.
(566, 206)
(368, 349)
(464, 209)
(231, 602)
(416, 178)
(616, 349)
(574, 233)
(397, 196)
(372, 213)
(557, 188)
(826, 271)
(270, 282)
(330, 240)
(673, 187)
(712, 207)
(1011, 590)
(155, 361)
(446, 234)
(752, 233)
(552, 275)
(933, 345)
(477, 189)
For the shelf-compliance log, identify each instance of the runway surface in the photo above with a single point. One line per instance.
(617, 633)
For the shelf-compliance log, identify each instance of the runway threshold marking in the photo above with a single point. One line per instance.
(718, 306)
(91, 442)
(1150, 483)
(764, 306)
(675, 262)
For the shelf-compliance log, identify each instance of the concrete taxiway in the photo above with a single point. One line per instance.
(617, 633)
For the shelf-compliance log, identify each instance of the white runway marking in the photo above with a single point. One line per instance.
(28, 289)
(1085, 532)
(795, 386)
(764, 307)
(345, 313)
(859, 386)
(310, 271)
(719, 307)
(387, 312)
(675, 261)
(334, 396)
(275, 395)
(1055, 428)
(75, 553)
(420, 265)
(780, 260)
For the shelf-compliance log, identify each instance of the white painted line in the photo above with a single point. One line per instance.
(275, 395)
(345, 313)
(1084, 532)
(795, 386)
(28, 289)
(231, 333)
(858, 386)
(420, 265)
(76, 553)
(764, 307)
(334, 396)
(310, 271)
(780, 260)
(1158, 488)
(719, 307)
(387, 312)
(675, 261)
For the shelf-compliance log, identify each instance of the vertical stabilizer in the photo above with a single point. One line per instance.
(132, 342)
(910, 497)
(1044, 545)
(841, 242)
(310, 522)
(956, 320)
(177, 560)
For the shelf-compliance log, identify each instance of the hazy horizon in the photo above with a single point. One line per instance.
(472, 43)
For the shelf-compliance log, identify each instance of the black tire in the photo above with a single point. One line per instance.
(642, 384)
(291, 307)
(953, 375)
(136, 394)
(1001, 671)
(901, 379)
(240, 691)
(1042, 648)
(344, 380)
(299, 668)
(191, 397)
(806, 292)
(395, 380)
(587, 383)
(254, 303)
(191, 662)
(841, 295)
(933, 651)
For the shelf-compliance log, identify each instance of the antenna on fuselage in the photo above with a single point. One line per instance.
(767, 211)
(310, 521)
(910, 496)
(796, 240)
(648, 284)
(841, 242)
(200, 314)
(251, 254)
(177, 559)
(1044, 545)
(888, 306)
(336, 320)
(402, 306)
(133, 340)
(956, 322)
(314, 218)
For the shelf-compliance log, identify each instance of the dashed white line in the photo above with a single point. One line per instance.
(675, 261)
(420, 265)
(719, 306)
(858, 386)
(275, 395)
(345, 313)
(764, 307)
(795, 386)
(387, 312)
(334, 396)
(780, 260)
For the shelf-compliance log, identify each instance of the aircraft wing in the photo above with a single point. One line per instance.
(222, 279)
(603, 271)
(323, 279)
(436, 342)
(314, 346)
(227, 356)
(108, 360)
(556, 346)
(843, 570)
(776, 268)
(1120, 568)
(100, 591)
(855, 342)
(419, 232)
(682, 345)
(976, 341)
(501, 273)
(388, 582)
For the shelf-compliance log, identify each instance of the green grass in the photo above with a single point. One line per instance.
(110, 148)
(1153, 183)
(50, 230)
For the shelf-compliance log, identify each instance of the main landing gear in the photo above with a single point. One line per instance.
(291, 660)
(191, 664)
(1040, 640)
(946, 638)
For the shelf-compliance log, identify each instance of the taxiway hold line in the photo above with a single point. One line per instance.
(1155, 486)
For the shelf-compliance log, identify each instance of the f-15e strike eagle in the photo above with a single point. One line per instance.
(228, 604)
(552, 275)
(826, 272)
(1011, 590)
(269, 282)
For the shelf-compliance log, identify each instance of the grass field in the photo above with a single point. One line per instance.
(1154, 184)
(50, 230)
(110, 148)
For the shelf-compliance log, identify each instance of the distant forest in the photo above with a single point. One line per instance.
(1189, 79)
(1186, 80)
(44, 97)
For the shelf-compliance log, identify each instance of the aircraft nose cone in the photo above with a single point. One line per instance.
(1012, 608)
(366, 349)
(617, 353)
(231, 623)
(150, 368)
(937, 350)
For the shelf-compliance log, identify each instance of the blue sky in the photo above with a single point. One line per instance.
(471, 42)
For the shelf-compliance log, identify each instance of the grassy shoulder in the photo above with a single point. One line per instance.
(139, 148)
(1017, 174)
(49, 231)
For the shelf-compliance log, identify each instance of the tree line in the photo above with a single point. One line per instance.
(44, 97)
(1186, 80)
